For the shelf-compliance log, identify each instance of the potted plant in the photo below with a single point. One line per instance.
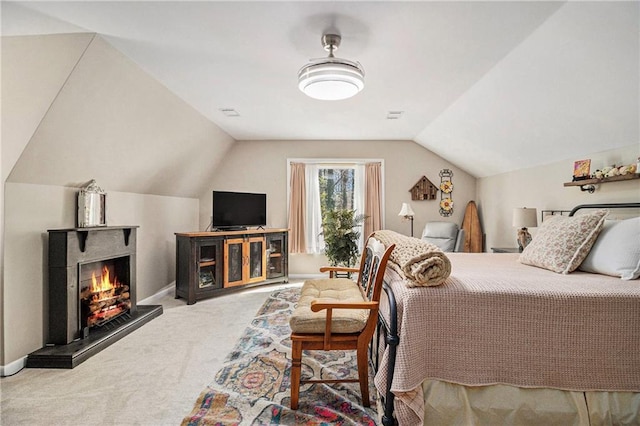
(341, 236)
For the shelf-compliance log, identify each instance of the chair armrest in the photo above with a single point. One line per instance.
(318, 306)
(333, 269)
(330, 306)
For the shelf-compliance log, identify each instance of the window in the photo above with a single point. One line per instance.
(336, 188)
(329, 185)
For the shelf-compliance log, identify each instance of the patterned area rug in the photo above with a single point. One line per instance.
(253, 387)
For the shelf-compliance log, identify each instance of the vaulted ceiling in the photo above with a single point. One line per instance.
(490, 86)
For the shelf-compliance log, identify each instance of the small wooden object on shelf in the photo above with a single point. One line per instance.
(589, 184)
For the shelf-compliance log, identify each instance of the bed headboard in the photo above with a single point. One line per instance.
(605, 206)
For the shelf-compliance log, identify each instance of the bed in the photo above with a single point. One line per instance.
(505, 342)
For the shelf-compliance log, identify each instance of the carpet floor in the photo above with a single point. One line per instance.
(151, 377)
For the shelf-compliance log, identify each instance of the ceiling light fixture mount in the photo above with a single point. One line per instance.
(331, 78)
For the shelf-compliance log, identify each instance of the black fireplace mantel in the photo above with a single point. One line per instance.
(68, 343)
(82, 236)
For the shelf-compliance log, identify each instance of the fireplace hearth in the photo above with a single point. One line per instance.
(92, 294)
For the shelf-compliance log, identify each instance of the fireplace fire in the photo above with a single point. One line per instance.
(103, 297)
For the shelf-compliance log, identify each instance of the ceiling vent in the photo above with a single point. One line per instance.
(230, 112)
(394, 115)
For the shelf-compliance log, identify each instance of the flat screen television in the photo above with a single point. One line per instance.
(238, 210)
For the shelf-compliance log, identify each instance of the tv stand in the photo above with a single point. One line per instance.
(214, 263)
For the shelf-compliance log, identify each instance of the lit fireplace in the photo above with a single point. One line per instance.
(104, 296)
(92, 301)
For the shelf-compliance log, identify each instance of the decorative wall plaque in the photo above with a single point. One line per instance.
(446, 188)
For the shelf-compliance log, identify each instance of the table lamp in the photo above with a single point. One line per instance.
(524, 218)
(407, 212)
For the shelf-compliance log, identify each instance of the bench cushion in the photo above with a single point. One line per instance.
(303, 320)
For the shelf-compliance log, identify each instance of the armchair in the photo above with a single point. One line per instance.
(445, 235)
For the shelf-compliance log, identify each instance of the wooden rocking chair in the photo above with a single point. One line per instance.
(349, 318)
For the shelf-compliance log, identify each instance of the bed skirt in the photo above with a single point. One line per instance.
(451, 404)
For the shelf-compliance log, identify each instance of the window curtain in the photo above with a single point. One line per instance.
(373, 198)
(297, 202)
(359, 185)
(313, 215)
(305, 214)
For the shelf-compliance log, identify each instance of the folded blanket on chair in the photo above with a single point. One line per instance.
(421, 263)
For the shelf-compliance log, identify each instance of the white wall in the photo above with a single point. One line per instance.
(542, 188)
(261, 166)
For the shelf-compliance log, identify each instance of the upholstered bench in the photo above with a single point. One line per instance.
(304, 320)
(339, 314)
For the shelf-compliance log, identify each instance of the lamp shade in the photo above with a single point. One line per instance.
(406, 210)
(525, 218)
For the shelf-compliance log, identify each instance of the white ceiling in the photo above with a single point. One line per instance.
(490, 86)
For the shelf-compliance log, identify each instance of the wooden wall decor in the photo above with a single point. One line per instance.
(424, 190)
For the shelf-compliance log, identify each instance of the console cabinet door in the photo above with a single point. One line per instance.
(209, 272)
(199, 267)
(276, 255)
(256, 260)
(244, 261)
(234, 260)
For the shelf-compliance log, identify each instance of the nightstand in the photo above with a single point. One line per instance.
(505, 249)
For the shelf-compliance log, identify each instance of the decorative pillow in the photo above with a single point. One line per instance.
(562, 242)
(616, 250)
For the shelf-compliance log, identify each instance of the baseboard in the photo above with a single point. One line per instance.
(13, 367)
(154, 299)
(170, 288)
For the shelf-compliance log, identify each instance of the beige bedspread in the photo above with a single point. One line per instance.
(495, 320)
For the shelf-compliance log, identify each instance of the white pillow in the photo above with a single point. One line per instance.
(616, 250)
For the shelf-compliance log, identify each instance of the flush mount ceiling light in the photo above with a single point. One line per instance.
(331, 78)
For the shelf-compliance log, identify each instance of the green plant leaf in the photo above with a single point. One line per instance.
(341, 236)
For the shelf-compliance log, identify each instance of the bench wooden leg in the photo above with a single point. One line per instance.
(296, 366)
(363, 374)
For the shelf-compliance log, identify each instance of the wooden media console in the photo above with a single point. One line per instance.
(211, 263)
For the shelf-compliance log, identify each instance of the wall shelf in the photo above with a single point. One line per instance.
(589, 184)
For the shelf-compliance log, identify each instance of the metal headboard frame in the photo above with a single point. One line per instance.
(604, 206)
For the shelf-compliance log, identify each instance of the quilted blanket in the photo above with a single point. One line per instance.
(422, 264)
